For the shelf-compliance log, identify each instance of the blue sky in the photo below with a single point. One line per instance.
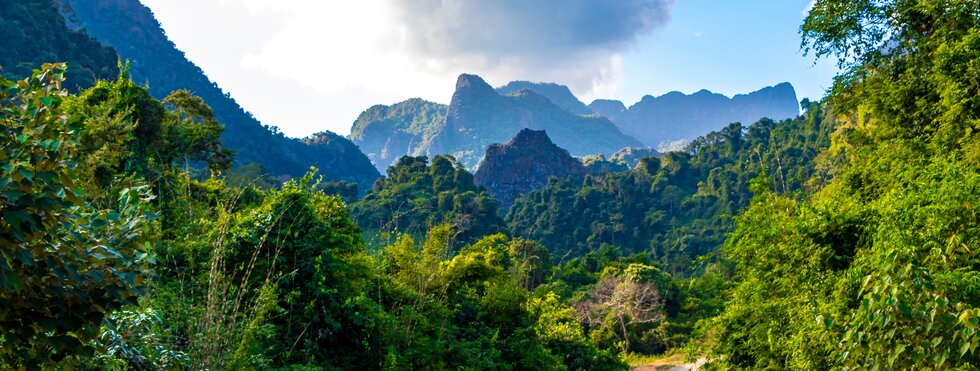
(310, 65)
(728, 47)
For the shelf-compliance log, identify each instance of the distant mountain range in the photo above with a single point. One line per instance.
(88, 34)
(476, 117)
(656, 121)
(479, 116)
(557, 94)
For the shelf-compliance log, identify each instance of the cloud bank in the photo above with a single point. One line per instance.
(577, 42)
(329, 60)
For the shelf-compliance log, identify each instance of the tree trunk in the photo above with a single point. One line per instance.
(626, 336)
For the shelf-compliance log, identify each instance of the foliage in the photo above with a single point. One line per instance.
(131, 338)
(469, 310)
(677, 206)
(127, 131)
(65, 263)
(34, 33)
(877, 270)
(616, 302)
(416, 196)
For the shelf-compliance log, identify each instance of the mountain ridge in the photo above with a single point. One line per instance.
(478, 116)
(132, 30)
(558, 94)
(677, 116)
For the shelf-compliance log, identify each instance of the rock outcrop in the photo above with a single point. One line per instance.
(524, 165)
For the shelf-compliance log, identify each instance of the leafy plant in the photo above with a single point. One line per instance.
(65, 264)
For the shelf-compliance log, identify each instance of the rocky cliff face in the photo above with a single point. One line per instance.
(524, 165)
(478, 116)
(131, 29)
(386, 133)
(676, 116)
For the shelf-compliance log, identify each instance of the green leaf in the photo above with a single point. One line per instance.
(25, 257)
(13, 282)
(26, 173)
(47, 101)
(895, 353)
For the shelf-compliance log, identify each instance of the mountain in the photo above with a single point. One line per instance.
(131, 29)
(523, 165)
(386, 133)
(327, 150)
(632, 155)
(557, 94)
(674, 116)
(33, 32)
(613, 109)
(479, 116)
(476, 117)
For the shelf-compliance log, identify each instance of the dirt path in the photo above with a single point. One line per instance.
(672, 363)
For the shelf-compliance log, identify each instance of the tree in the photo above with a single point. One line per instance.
(64, 263)
(618, 301)
(192, 133)
(417, 196)
(876, 270)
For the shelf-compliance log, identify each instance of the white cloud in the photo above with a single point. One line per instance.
(309, 65)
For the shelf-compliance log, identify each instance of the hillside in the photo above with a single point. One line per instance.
(130, 28)
(522, 165)
(674, 116)
(674, 207)
(33, 33)
(386, 133)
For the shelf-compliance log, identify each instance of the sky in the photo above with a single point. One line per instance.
(312, 65)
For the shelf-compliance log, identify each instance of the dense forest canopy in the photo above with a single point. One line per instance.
(843, 238)
(878, 268)
(676, 207)
(35, 33)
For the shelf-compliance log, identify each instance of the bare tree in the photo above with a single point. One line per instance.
(620, 302)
